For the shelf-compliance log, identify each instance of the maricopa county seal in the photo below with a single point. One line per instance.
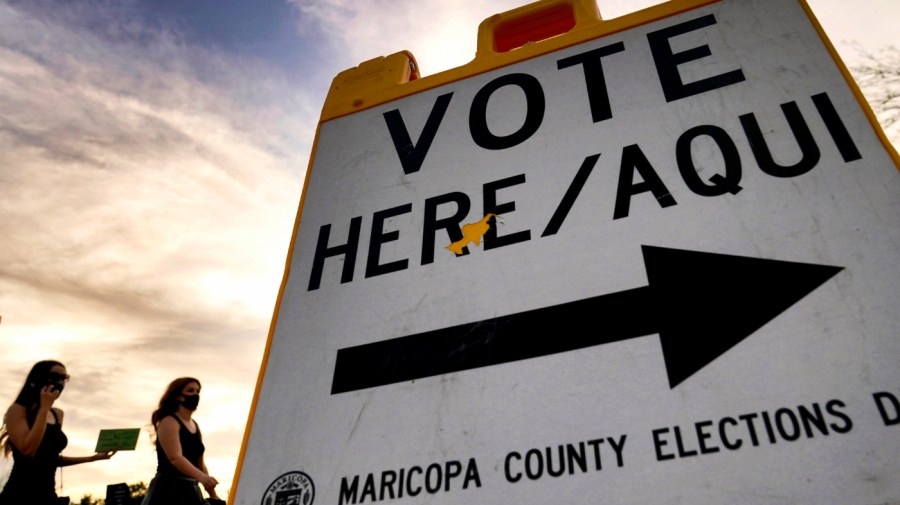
(292, 488)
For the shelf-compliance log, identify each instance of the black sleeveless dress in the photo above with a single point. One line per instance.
(33, 479)
(169, 486)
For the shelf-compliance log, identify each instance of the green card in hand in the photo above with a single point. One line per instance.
(118, 440)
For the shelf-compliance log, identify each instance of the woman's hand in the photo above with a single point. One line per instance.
(103, 455)
(209, 484)
(49, 394)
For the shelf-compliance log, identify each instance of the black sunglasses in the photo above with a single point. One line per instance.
(56, 377)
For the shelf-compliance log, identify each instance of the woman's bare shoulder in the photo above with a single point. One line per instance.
(14, 411)
(168, 423)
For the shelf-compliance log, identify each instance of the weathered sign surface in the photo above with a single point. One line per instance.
(658, 266)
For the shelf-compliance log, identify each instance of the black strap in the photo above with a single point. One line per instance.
(185, 427)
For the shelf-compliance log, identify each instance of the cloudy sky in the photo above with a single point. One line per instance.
(152, 154)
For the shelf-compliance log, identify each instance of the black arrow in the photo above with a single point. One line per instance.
(701, 304)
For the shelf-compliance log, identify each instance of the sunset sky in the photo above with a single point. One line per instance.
(152, 155)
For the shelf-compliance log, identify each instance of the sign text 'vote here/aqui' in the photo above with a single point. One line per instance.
(658, 264)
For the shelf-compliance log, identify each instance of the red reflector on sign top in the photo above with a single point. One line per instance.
(533, 27)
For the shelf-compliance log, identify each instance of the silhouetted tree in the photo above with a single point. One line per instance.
(138, 491)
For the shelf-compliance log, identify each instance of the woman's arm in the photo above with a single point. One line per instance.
(167, 434)
(211, 491)
(77, 460)
(27, 439)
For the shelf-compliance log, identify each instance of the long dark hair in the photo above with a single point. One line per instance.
(168, 403)
(30, 397)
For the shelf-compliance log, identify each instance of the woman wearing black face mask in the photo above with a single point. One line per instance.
(32, 432)
(179, 449)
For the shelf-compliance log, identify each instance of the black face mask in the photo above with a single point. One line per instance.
(190, 402)
(58, 381)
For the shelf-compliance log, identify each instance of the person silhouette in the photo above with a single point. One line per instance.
(179, 449)
(32, 433)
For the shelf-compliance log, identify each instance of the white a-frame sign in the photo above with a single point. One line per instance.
(645, 260)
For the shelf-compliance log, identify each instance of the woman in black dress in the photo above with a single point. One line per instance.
(179, 449)
(32, 432)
